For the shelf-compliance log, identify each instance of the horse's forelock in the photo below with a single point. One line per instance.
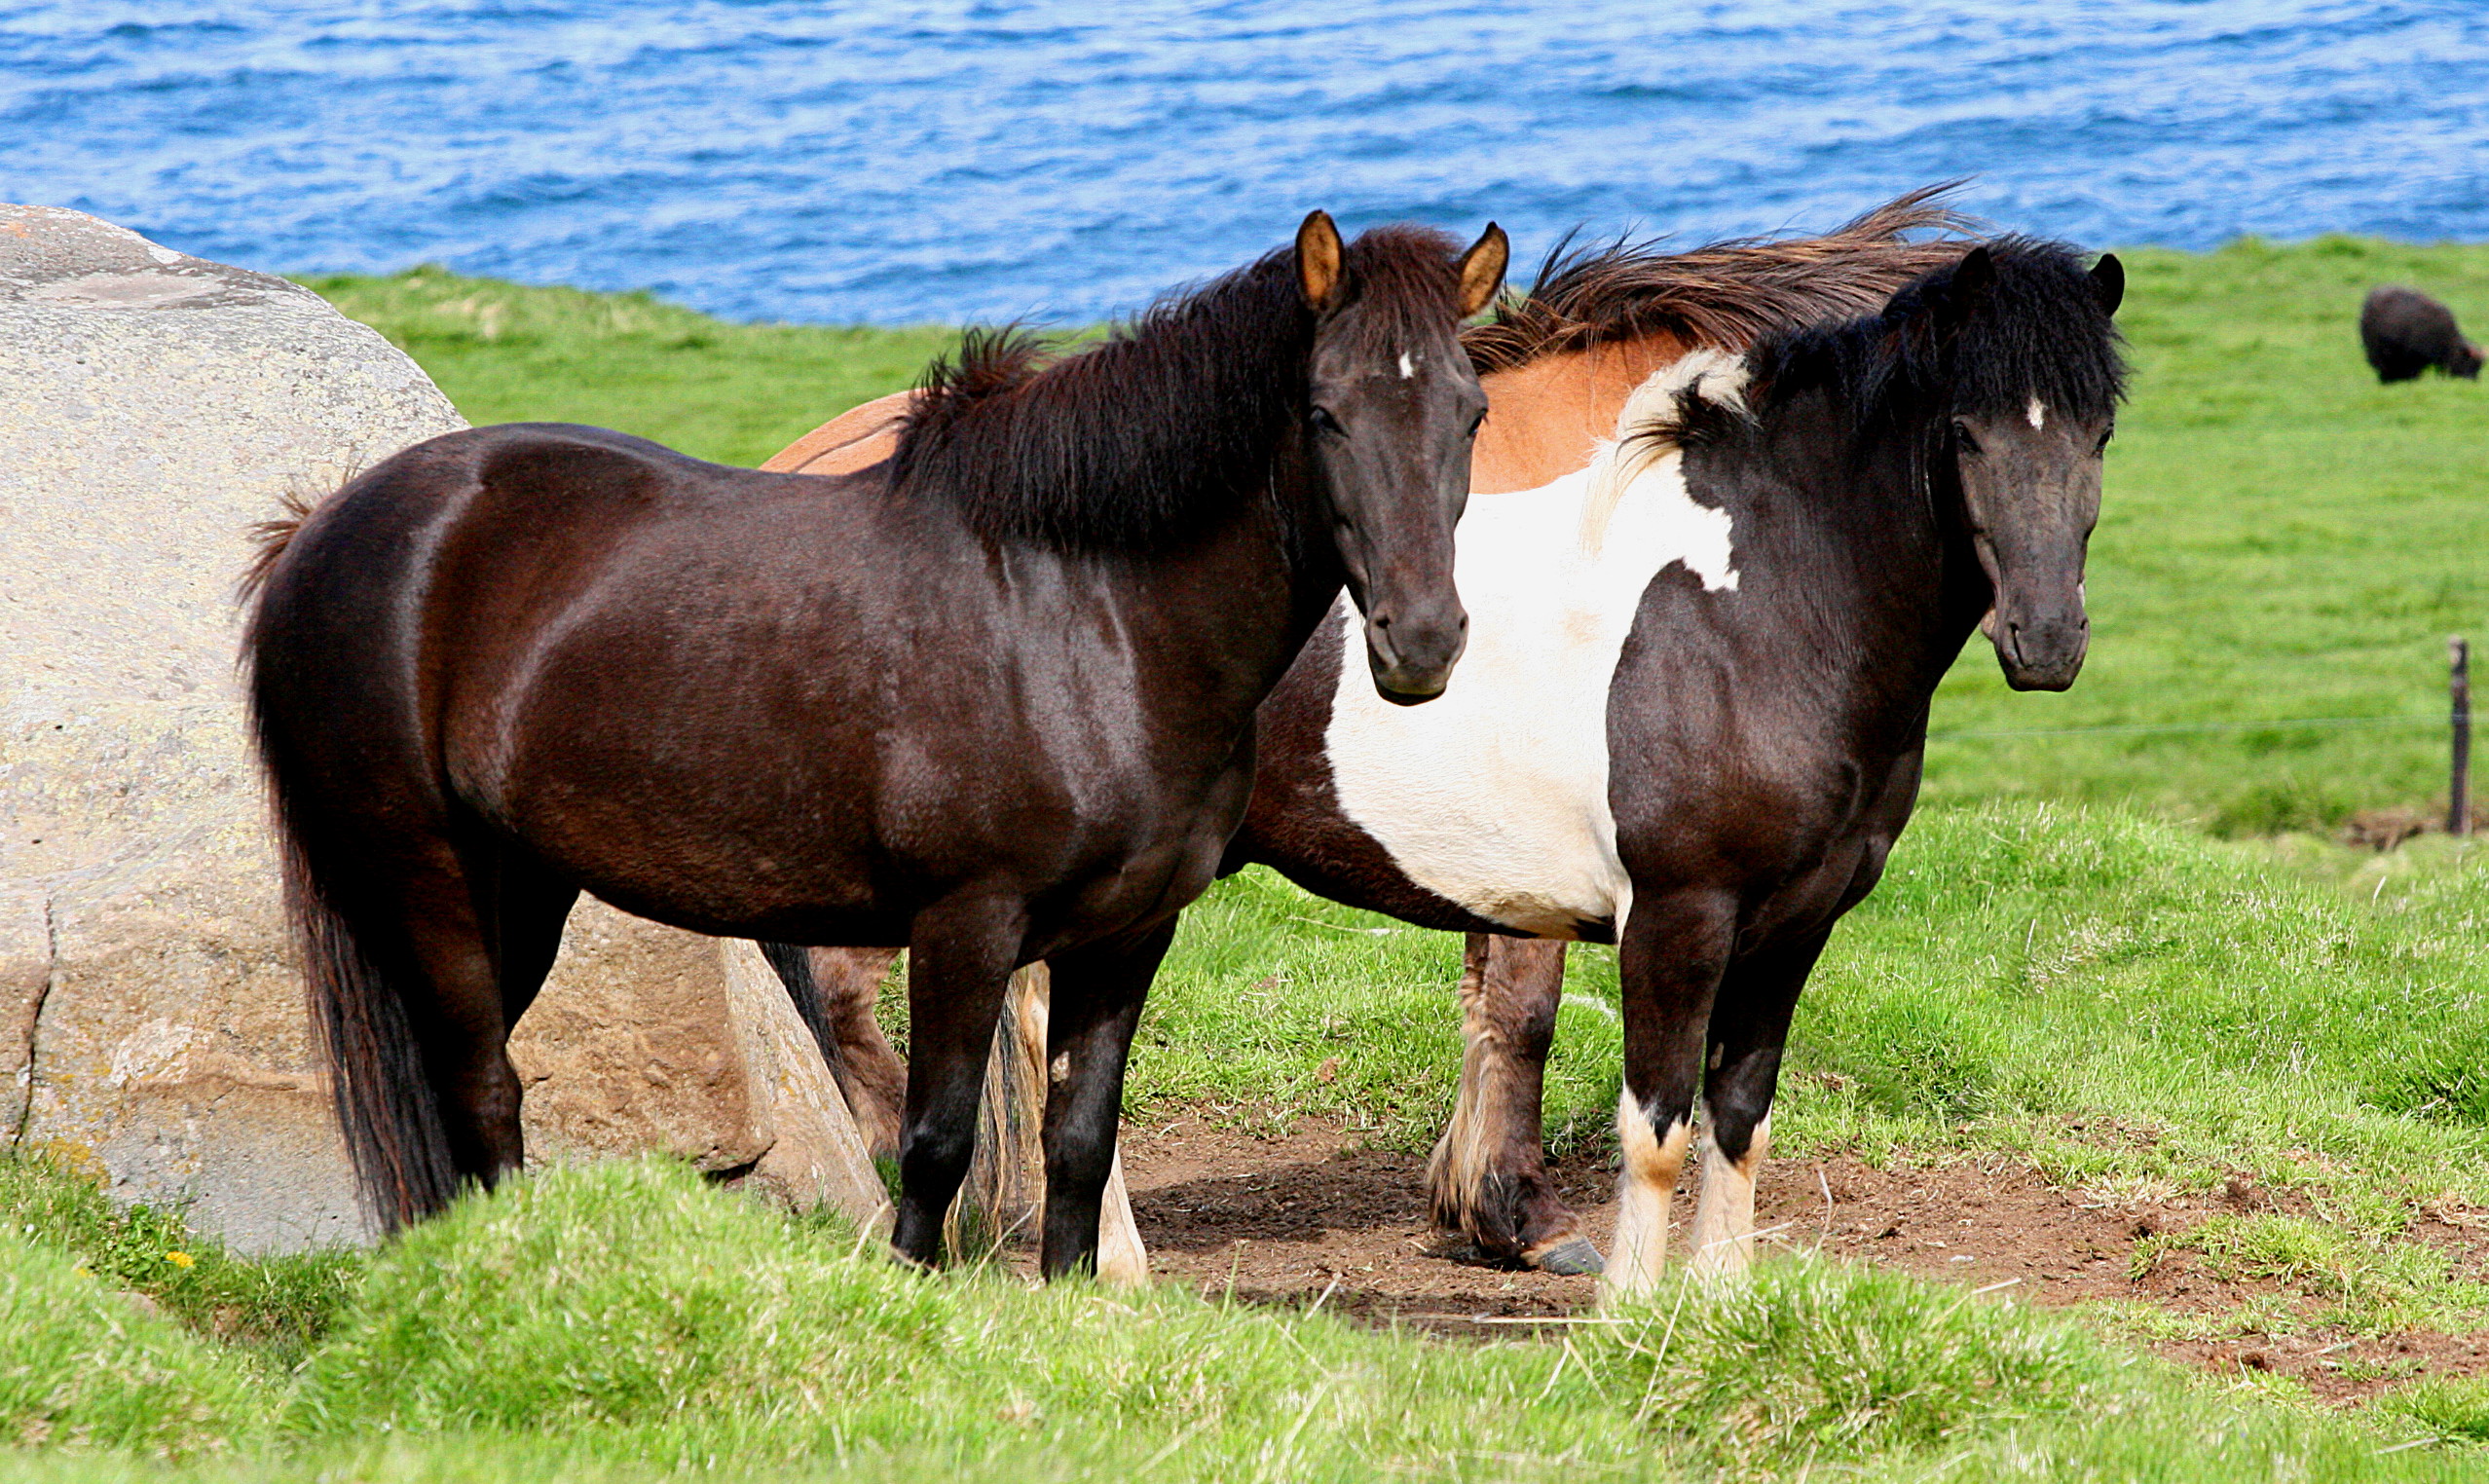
(2038, 330)
(1407, 284)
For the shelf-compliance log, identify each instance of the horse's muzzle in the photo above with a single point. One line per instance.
(2042, 655)
(1412, 659)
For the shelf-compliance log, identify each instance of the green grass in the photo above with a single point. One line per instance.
(269, 1310)
(506, 353)
(629, 1320)
(87, 1367)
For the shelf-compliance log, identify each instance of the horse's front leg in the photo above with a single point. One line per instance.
(1095, 1005)
(1488, 1178)
(1674, 952)
(1749, 1027)
(960, 955)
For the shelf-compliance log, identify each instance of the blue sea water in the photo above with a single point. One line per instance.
(765, 159)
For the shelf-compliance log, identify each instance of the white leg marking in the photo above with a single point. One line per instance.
(1650, 1166)
(2037, 414)
(1121, 1261)
(1724, 1225)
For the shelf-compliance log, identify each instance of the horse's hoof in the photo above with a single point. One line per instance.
(1577, 1258)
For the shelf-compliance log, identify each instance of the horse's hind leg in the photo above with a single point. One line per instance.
(875, 1080)
(1749, 1027)
(436, 931)
(833, 990)
(1488, 1177)
(960, 958)
(1095, 1003)
(529, 907)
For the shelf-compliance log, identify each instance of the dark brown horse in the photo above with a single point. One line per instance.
(993, 698)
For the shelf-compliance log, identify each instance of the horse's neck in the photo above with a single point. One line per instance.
(1876, 591)
(1548, 417)
(1231, 606)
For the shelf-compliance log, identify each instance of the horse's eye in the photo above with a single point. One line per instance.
(1964, 436)
(1323, 421)
(1477, 423)
(2106, 433)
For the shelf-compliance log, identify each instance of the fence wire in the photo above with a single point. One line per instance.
(2144, 728)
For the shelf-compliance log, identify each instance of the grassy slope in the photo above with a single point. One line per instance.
(625, 1321)
(733, 393)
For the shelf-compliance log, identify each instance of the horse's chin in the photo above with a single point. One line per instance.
(1406, 697)
(1411, 690)
(2052, 679)
(2021, 674)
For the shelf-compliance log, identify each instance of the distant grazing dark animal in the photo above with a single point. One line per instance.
(2405, 332)
(993, 698)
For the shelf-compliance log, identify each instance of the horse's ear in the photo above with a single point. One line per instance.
(1972, 278)
(2109, 282)
(1482, 269)
(1317, 262)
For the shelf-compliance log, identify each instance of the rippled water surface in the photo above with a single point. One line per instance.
(946, 162)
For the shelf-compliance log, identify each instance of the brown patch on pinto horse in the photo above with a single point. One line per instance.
(1558, 362)
(856, 439)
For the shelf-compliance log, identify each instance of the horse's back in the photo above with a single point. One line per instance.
(516, 610)
(855, 439)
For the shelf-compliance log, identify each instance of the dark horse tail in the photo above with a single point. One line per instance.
(385, 1106)
(391, 1123)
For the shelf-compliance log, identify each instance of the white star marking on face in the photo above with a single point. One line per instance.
(1408, 366)
(2036, 413)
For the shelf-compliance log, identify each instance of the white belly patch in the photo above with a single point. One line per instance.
(1495, 795)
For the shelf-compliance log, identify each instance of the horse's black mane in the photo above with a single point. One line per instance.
(1134, 442)
(2038, 330)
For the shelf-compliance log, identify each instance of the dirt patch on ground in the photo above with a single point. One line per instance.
(1316, 1216)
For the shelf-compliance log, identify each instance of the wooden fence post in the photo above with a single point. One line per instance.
(2459, 787)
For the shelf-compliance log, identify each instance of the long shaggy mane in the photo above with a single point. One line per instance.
(1726, 294)
(2037, 331)
(1136, 442)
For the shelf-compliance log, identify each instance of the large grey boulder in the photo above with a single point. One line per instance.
(156, 407)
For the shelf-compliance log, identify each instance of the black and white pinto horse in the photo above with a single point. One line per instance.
(1693, 710)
